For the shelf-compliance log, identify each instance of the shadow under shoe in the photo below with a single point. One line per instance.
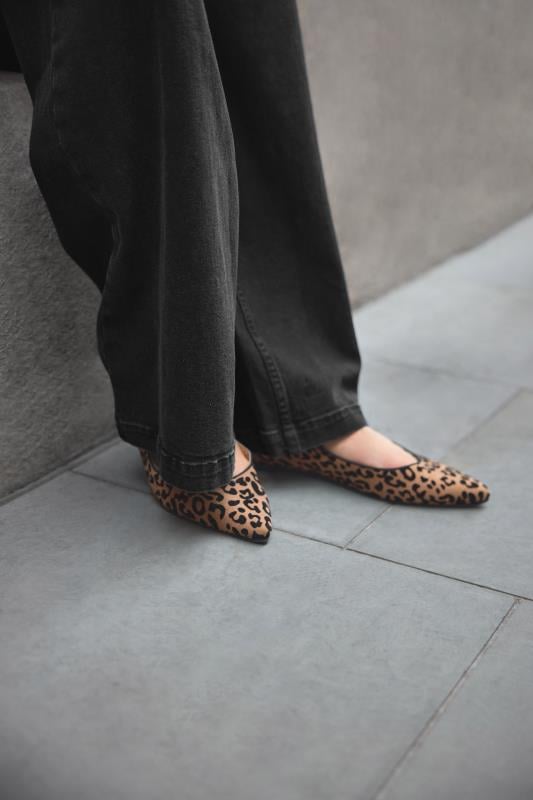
(239, 508)
(422, 483)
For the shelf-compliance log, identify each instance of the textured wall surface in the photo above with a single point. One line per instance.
(55, 399)
(425, 118)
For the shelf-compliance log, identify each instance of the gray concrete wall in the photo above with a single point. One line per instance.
(54, 399)
(425, 117)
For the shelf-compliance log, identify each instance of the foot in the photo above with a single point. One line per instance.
(239, 508)
(371, 448)
(421, 482)
(369, 463)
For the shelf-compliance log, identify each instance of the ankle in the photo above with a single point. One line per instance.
(242, 458)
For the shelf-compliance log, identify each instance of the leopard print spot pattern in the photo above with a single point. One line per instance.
(425, 482)
(239, 508)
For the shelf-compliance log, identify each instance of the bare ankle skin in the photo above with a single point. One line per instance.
(242, 458)
(367, 446)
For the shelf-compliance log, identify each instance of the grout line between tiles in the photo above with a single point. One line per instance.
(308, 538)
(442, 575)
(456, 688)
(367, 526)
(341, 546)
(128, 488)
(393, 362)
(464, 581)
(376, 357)
(486, 419)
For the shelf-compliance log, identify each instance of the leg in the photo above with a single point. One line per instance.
(297, 357)
(132, 147)
(298, 362)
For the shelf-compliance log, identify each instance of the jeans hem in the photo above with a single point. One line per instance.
(192, 473)
(305, 433)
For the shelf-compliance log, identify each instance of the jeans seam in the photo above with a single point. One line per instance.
(271, 368)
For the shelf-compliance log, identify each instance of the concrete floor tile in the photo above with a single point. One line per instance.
(491, 545)
(120, 464)
(431, 410)
(150, 659)
(451, 323)
(310, 506)
(481, 746)
(504, 260)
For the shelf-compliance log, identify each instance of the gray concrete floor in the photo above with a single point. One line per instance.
(367, 652)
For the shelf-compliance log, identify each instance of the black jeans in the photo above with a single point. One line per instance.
(175, 147)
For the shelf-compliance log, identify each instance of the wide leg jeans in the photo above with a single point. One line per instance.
(175, 147)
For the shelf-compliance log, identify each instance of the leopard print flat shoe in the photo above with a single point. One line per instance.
(422, 483)
(239, 508)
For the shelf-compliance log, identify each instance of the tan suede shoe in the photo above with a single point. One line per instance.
(239, 508)
(422, 483)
